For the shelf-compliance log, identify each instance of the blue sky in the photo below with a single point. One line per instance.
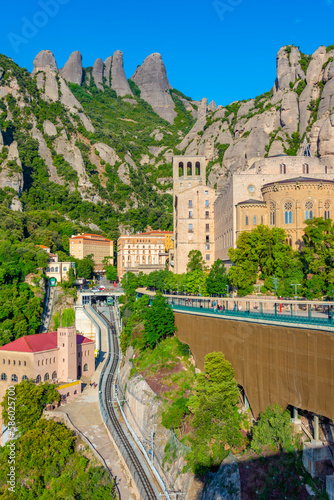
(220, 49)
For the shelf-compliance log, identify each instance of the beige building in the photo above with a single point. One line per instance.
(193, 217)
(280, 191)
(96, 245)
(143, 252)
(58, 270)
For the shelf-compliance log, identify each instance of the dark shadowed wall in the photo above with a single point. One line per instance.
(274, 364)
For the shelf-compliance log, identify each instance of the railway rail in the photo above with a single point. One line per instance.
(107, 380)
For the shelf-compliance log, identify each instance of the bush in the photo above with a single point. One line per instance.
(273, 430)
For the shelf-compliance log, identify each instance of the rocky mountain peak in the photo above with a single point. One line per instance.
(72, 71)
(98, 73)
(151, 78)
(45, 60)
(119, 82)
(288, 67)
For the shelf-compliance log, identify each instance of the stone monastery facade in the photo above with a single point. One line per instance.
(280, 191)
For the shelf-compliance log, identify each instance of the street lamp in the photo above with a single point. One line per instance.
(296, 285)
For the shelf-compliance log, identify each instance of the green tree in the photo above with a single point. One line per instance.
(85, 268)
(217, 280)
(195, 261)
(273, 430)
(29, 403)
(216, 421)
(196, 282)
(158, 322)
(111, 273)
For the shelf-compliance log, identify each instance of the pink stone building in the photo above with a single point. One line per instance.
(61, 357)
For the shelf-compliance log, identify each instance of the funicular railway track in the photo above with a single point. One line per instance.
(109, 373)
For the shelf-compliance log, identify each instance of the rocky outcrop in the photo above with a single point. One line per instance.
(15, 204)
(326, 137)
(107, 69)
(327, 96)
(141, 409)
(11, 175)
(225, 483)
(203, 107)
(119, 82)
(97, 73)
(289, 113)
(72, 71)
(151, 78)
(315, 67)
(288, 68)
(107, 153)
(49, 128)
(44, 61)
(212, 106)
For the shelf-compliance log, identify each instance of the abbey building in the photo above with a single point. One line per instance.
(280, 191)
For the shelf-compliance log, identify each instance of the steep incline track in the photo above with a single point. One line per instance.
(108, 372)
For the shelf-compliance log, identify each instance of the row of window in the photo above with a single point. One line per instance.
(56, 269)
(14, 362)
(287, 217)
(191, 228)
(41, 362)
(207, 214)
(206, 203)
(197, 170)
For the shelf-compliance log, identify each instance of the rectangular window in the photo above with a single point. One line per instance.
(190, 203)
(207, 247)
(246, 220)
(290, 217)
(207, 257)
(207, 239)
(190, 214)
(207, 228)
(261, 219)
(206, 203)
(206, 193)
(190, 228)
(207, 215)
(254, 220)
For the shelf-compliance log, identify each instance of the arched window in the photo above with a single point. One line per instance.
(290, 242)
(327, 206)
(189, 168)
(308, 210)
(48, 270)
(246, 220)
(65, 268)
(24, 377)
(14, 378)
(38, 379)
(272, 214)
(305, 168)
(197, 168)
(3, 376)
(56, 269)
(52, 269)
(181, 171)
(282, 168)
(85, 367)
(254, 220)
(46, 377)
(288, 212)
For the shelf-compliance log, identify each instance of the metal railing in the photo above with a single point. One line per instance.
(204, 306)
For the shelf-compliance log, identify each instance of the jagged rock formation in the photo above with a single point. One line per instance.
(72, 71)
(97, 73)
(151, 78)
(44, 61)
(301, 102)
(107, 71)
(119, 82)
